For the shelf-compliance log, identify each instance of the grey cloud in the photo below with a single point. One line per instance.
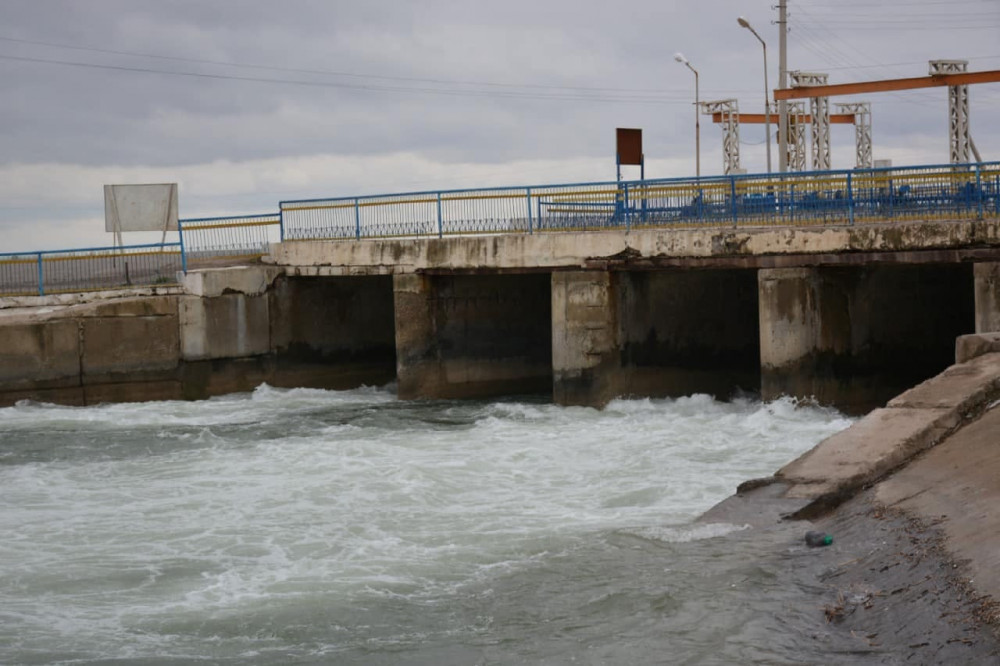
(97, 117)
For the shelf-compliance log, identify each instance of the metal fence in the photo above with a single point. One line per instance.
(797, 199)
(89, 269)
(241, 237)
(203, 241)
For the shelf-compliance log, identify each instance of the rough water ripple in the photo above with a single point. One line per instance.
(306, 526)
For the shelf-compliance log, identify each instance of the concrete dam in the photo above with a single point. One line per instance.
(850, 316)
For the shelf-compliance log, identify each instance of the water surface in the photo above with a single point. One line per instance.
(306, 526)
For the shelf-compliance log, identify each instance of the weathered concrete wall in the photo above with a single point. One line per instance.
(227, 326)
(40, 360)
(333, 332)
(130, 350)
(751, 248)
(685, 332)
(854, 337)
(472, 335)
(667, 333)
(586, 363)
(327, 332)
(118, 350)
(987, 287)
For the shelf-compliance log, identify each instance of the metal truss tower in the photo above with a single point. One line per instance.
(958, 109)
(819, 109)
(862, 132)
(797, 121)
(729, 109)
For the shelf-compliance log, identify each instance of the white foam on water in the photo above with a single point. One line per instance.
(287, 496)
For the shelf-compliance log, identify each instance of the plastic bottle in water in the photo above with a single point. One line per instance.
(816, 539)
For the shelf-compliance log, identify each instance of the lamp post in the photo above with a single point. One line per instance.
(679, 57)
(767, 101)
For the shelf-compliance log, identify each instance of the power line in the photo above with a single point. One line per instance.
(294, 70)
(846, 57)
(901, 5)
(910, 62)
(361, 87)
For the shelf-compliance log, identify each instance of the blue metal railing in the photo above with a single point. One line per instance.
(200, 240)
(968, 191)
(232, 237)
(810, 198)
(89, 269)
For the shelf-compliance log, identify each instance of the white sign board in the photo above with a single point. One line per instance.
(140, 207)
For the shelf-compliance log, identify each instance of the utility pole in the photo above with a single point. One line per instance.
(782, 83)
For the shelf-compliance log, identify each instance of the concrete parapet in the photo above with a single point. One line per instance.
(148, 306)
(249, 280)
(56, 301)
(595, 250)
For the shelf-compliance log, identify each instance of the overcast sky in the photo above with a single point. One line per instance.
(246, 103)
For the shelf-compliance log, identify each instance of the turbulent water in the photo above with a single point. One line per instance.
(305, 526)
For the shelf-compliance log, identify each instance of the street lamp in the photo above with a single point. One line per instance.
(679, 57)
(767, 101)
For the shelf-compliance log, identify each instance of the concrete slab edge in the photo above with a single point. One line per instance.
(824, 497)
(968, 347)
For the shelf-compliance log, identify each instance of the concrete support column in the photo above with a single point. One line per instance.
(804, 326)
(586, 364)
(419, 372)
(987, 287)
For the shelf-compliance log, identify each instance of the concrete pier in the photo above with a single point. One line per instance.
(848, 316)
(585, 340)
(987, 289)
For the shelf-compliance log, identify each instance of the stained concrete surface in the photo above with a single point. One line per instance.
(911, 495)
(957, 486)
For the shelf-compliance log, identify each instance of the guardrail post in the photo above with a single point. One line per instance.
(979, 191)
(440, 221)
(180, 237)
(625, 212)
(357, 220)
(850, 200)
(892, 199)
(530, 223)
(41, 276)
(732, 194)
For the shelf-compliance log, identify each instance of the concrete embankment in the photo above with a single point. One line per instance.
(227, 330)
(910, 493)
